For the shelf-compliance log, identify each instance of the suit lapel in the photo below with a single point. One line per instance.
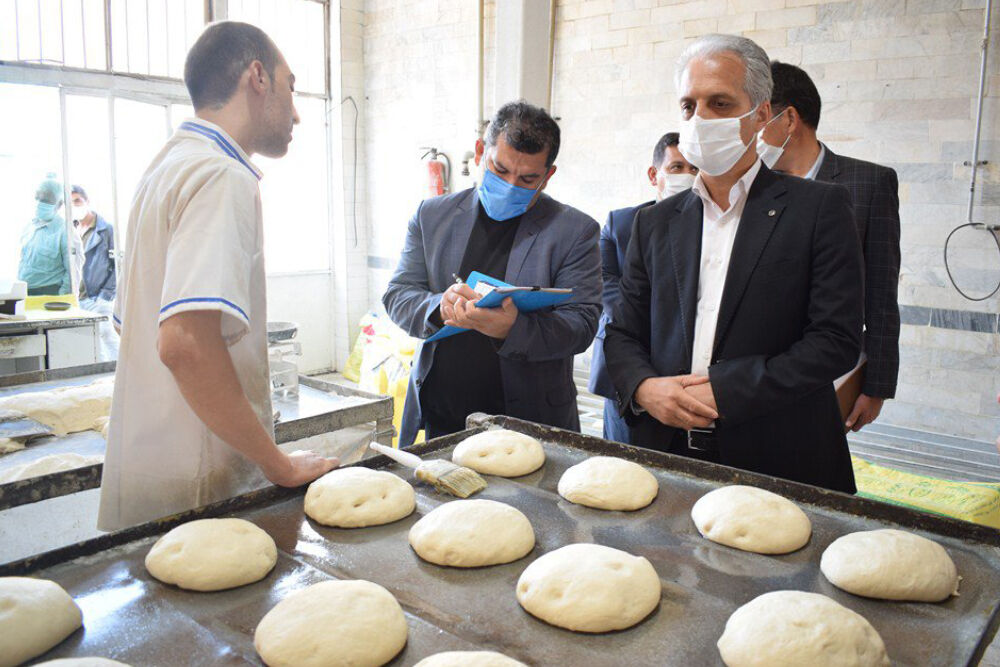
(761, 213)
(685, 254)
(830, 168)
(527, 232)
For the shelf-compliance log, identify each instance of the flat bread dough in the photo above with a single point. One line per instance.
(65, 409)
(47, 465)
(589, 588)
(359, 497)
(609, 483)
(333, 624)
(8, 445)
(35, 615)
(751, 519)
(469, 659)
(82, 662)
(472, 533)
(500, 452)
(793, 628)
(212, 555)
(891, 565)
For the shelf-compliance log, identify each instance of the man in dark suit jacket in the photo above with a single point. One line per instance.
(740, 299)
(512, 363)
(669, 173)
(875, 193)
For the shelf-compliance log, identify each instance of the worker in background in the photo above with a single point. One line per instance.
(512, 363)
(740, 298)
(191, 419)
(669, 174)
(789, 144)
(97, 283)
(45, 253)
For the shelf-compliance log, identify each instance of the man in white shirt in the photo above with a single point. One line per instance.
(740, 299)
(191, 419)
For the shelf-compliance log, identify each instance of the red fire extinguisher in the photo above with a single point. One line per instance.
(438, 171)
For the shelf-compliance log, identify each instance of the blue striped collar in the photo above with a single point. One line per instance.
(218, 136)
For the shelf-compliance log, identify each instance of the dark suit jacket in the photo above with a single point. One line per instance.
(555, 246)
(614, 240)
(789, 324)
(875, 192)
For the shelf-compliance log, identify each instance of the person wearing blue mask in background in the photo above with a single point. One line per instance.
(512, 363)
(45, 262)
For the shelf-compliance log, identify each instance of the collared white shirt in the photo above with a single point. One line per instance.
(811, 174)
(718, 233)
(194, 242)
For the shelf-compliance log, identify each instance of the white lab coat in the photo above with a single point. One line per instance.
(194, 242)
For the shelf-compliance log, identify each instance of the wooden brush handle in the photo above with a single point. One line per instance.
(398, 455)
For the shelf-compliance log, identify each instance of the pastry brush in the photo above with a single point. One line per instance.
(443, 475)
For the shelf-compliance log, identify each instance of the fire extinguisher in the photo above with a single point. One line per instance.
(438, 171)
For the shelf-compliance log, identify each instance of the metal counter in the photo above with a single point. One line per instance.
(321, 407)
(131, 617)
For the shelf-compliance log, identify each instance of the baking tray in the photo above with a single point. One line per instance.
(129, 616)
(321, 407)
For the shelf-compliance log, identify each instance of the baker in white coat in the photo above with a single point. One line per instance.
(191, 416)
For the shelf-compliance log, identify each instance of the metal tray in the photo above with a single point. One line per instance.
(321, 407)
(131, 617)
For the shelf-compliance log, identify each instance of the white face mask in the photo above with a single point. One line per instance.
(768, 153)
(667, 185)
(713, 145)
(80, 212)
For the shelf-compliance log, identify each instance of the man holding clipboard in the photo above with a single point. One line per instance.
(506, 232)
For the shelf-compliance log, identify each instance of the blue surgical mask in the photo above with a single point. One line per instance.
(45, 211)
(502, 200)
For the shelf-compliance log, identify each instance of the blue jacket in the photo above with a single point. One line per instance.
(555, 246)
(614, 241)
(99, 265)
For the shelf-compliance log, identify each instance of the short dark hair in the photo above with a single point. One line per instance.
(794, 88)
(527, 128)
(78, 190)
(219, 57)
(667, 140)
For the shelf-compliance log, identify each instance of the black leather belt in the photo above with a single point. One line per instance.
(702, 440)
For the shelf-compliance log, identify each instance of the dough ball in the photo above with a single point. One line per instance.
(891, 565)
(82, 662)
(212, 555)
(792, 629)
(35, 615)
(469, 659)
(608, 483)
(751, 519)
(472, 533)
(359, 497)
(332, 624)
(589, 588)
(500, 452)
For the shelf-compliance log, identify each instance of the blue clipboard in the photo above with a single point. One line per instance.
(526, 299)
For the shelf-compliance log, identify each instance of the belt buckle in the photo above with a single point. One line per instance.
(698, 435)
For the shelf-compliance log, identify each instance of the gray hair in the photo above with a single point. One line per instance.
(757, 83)
(527, 128)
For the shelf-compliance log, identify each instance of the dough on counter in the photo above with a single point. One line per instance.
(82, 662)
(8, 445)
(35, 615)
(469, 659)
(47, 465)
(589, 588)
(608, 483)
(500, 452)
(472, 533)
(358, 497)
(793, 628)
(891, 565)
(212, 555)
(751, 519)
(101, 426)
(66, 409)
(333, 624)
